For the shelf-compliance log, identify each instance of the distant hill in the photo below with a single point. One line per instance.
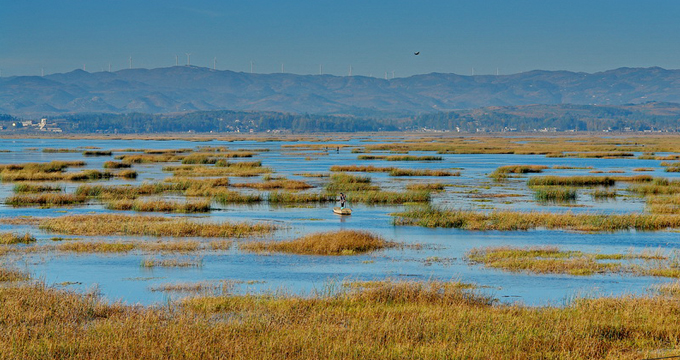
(183, 89)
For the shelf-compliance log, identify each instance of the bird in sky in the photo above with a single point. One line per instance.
(416, 53)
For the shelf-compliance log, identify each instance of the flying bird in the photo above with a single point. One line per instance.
(416, 53)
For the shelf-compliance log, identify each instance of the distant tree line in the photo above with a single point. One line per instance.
(217, 121)
(497, 119)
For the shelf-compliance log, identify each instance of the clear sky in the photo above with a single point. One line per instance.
(372, 36)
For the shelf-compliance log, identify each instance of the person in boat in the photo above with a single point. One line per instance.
(342, 200)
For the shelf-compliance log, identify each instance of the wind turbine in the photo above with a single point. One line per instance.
(320, 69)
(188, 59)
(350, 70)
(130, 62)
(282, 71)
(42, 72)
(176, 60)
(252, 66)
(214, 63)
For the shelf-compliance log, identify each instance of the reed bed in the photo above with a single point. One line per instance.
(541, 260)
(552, 193)
(147, 158)
(571, 181)
(520, 169)
(286, 197)
(62, 150)
(670, 289)
(603, 194)
(95, 247)
(12, 275)
(658, 186)
(355, 168)
(116, 224)
(400, 157)
(426, 187)
(244, 169)
(423, 172)
(196, 206)
(35, 188)
(286, 184)
(235, 197)
(385, 320)
(388, 197)
(348, 182)
(52, 166)
(342, 242)
(96, 153)
(314, 175)
(55, 176)
(514, 220)
(601, 155)
(130, 191)
(116, 165)
(45, 199)
(7, 238)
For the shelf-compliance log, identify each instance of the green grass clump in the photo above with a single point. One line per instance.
(131, 191)
(287, 197)
(603, 194)
(343, 242)
(116, 224)
(45, 199)
(286, 184)
(235, 197)
(14, 238)
(356, 168)
(348, 182)
(35, 188)
(551, 193)
(388, 197)
(571, 181)
(116, 165)
(426, 187)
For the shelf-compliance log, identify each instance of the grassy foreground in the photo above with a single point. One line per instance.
(343, 242)
(383, 320)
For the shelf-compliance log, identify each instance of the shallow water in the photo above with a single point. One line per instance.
(120, 277)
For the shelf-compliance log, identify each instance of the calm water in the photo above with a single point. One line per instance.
(120, 277)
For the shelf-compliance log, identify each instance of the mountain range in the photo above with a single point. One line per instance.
(182, 89)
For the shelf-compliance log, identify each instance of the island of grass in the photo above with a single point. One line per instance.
(343, 242)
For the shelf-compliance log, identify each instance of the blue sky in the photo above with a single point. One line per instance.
(373, 37)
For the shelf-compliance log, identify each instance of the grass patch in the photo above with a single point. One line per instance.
(399, 157)
(159, 205)
(423, 172)
(35, 188)
(425, 187)
(14, 238)
(115, 224)
(96, 153)
(276, 184)
(348, 182)
(116, 165)
(11, 275)
(343, 242)
(183, 263)
(430, 320)
(514, 220)
(45, 199)
(551, 193)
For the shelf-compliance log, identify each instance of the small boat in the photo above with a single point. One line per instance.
(340, 211)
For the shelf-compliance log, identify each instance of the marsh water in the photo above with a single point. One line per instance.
(441, 256)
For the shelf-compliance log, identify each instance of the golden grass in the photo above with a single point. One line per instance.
(14, 238)
(11, 275)
(52, 166)
(348, 182)
(55, 176)
(130, 191)
(671, 289)
(385, 320)
(357, 168)
(159, 205)
(515, 220)
(235, 197)
(342, 242)
(115, 224)
(45, 199)
(95, 247)
(286, 197)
